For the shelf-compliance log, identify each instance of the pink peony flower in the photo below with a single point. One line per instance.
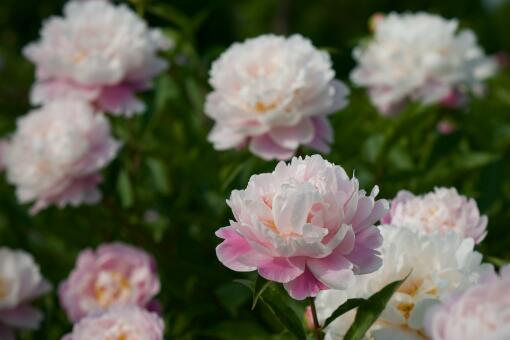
(20, 283)
(56, 154)
(97, 52)
(121, 322)
(273, 94)
(306, 225)
(115, 274)
(438, 211)
(481, 312)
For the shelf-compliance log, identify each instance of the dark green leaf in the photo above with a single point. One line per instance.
(344, 308)
(158, 172)
(260, 286)
(124, 189)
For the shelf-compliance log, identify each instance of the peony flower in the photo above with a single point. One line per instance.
(56, 154)
(115, 274)
(438, 211)
(121, 322)
(438, 265)
(96, 52)
(20, 283)
(306, 225)
(420, 57)
(481, 312)
(273, 94)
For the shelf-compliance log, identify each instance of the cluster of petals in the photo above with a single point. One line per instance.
(306, 225)
(440, 211)
(273, 94)
(436, 264)
(480, 312)
(120, 322)
(97, 52)
(56, 153)
(20, 283)
(420, 57)
(114, 275)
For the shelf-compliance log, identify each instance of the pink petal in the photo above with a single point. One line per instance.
(232, 249)
(282, 269)
(304, 286)
(267, 149)
(333, 270)
(120, 100)
(46, 91)
(365, 260)
(24, 317)
(290, 137)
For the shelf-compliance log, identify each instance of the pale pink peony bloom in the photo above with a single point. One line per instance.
(273, 94)
(423, 58)
(56, 153)
(98, 52)
(115, 274)
(306, 225)
(481, 312)
(20, 283)
(120, 322)
(442, 210)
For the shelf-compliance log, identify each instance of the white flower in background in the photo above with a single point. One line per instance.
(56, 154)
(439, 264)
(97, 52)
(438, 211)
(420, 57)
(20, 283)
(273, 94)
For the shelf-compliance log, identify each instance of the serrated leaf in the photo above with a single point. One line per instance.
(260, 286)
(369, 311)
(344, 308)
(124, 189)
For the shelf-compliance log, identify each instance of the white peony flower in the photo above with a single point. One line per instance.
(420, 57)
(56, 154)
(273, 94)
(438, 211)
(97, 52)
(439, 264)
(20, 283)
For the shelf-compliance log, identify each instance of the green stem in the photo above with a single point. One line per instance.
(317, 327)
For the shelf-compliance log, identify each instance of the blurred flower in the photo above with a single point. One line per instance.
(419, 57)
(306, 225)
(273, 94)
(481, 312)
(438, 211)
(446, 127)
(56, 154)
(115, 274)
(439, 264)
(97, 52)
(121, 322)
(20, 283)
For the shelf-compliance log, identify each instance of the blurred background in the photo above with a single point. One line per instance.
(166, 191)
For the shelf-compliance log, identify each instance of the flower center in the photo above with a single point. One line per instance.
(262, 107)
(111, 287)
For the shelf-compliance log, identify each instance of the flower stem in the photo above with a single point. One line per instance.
(317, 326)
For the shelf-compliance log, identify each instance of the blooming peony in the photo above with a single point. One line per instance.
(306, 225)
(56, 154)
(481, 312)
(273, 94)
(20, 283)
(96, 52)
(438, 211)
(121, 322)
(420, 57)
(115, 274)
(439, 264)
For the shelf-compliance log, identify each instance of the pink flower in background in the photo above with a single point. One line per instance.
(306, 225)
(114, 274)
(56, 153)
(420, 57)
(121, 322)
(438, 211)
(273, 94)
(481, 312)
(445, 127)
(97, 52)
(20, 283)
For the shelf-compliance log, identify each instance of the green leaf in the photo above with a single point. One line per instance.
(158, 172)
(124, 189)
(344, 308)
(260, 286)
(247, 283)
(369, 311)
